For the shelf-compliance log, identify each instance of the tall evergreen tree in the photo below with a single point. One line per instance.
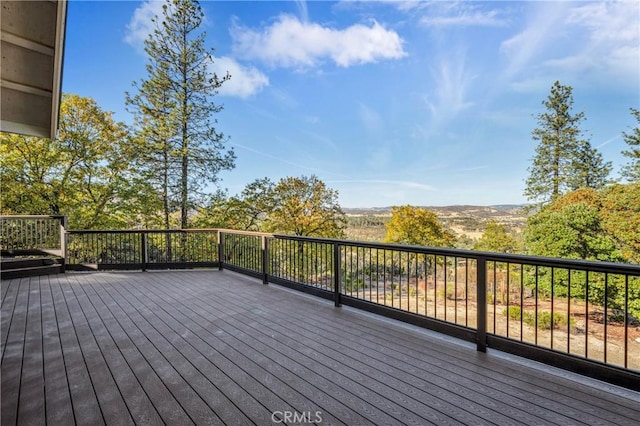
(563, 161)
(157, 157)
(175, 110)
(631, 171)
(588, 168)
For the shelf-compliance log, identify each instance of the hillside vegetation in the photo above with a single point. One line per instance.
(466, 222)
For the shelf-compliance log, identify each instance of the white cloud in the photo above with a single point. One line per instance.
(612, 39)
(302, 8)
(288, 42)
(541, 30)
(141, 25)
(463, 14)
(452, 81)
(244, 82)
(597, 41)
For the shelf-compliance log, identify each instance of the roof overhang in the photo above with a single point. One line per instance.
(32, 37)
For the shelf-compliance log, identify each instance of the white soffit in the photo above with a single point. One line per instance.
(32, 44)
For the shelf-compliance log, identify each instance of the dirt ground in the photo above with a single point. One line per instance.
(587, 335)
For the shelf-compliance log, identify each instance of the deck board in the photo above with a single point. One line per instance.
(57, 394)
(211, 347)
(13, 354)
(32, 401)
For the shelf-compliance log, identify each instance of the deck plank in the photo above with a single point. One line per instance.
(31, 403)
(366, 398)
(13, 354)
(86, 408)
(128, 386)
(204, 377)
(4, 288)
(6, 314)
(414, 390)
(176, 370)
(259, 369)
(112, 404)
(210, 347)
(168, 408)
(59, 408)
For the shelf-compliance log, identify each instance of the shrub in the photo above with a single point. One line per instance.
(545, 321)
(352, 285)
(449, 292)
(544, 318)
(513, 312)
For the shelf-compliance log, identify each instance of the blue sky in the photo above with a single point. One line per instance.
(389, 102)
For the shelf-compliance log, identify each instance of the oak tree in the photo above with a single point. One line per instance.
(417, 226)
(496, 238)
(85, 173)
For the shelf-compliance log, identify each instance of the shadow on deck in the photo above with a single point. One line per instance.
(212, 347)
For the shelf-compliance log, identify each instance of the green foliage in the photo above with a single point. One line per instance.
(449, 293)
(305, 206)
(352, 284)
(296, 206)
(631, 171)
(183, 150)
(592, 225)
(85, 174)
(574, 232)
(620, 213)
(245, 211)
(513, 312)
(589, 224)
(563, 161)
(417, 226)
(496, 238)
(545, 320)
(589, 169)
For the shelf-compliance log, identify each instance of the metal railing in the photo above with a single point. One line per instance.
(582, 316)
(32, 234)
(578, 315)
(141, 249)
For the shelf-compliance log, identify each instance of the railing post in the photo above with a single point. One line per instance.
(143, 253)
(220, 250)
(481, 308)
(336, 274)
(265, 260)
(63, 242)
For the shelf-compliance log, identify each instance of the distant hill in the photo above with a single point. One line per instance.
(462, 219)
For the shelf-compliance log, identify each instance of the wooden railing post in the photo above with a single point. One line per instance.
(336, 275)
(481, 308)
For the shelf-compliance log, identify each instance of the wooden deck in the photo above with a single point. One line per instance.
(211, 347)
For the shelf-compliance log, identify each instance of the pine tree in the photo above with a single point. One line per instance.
(589, 169)
(563, 161)
(631, 171)
(175, 110)
(156, 159)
